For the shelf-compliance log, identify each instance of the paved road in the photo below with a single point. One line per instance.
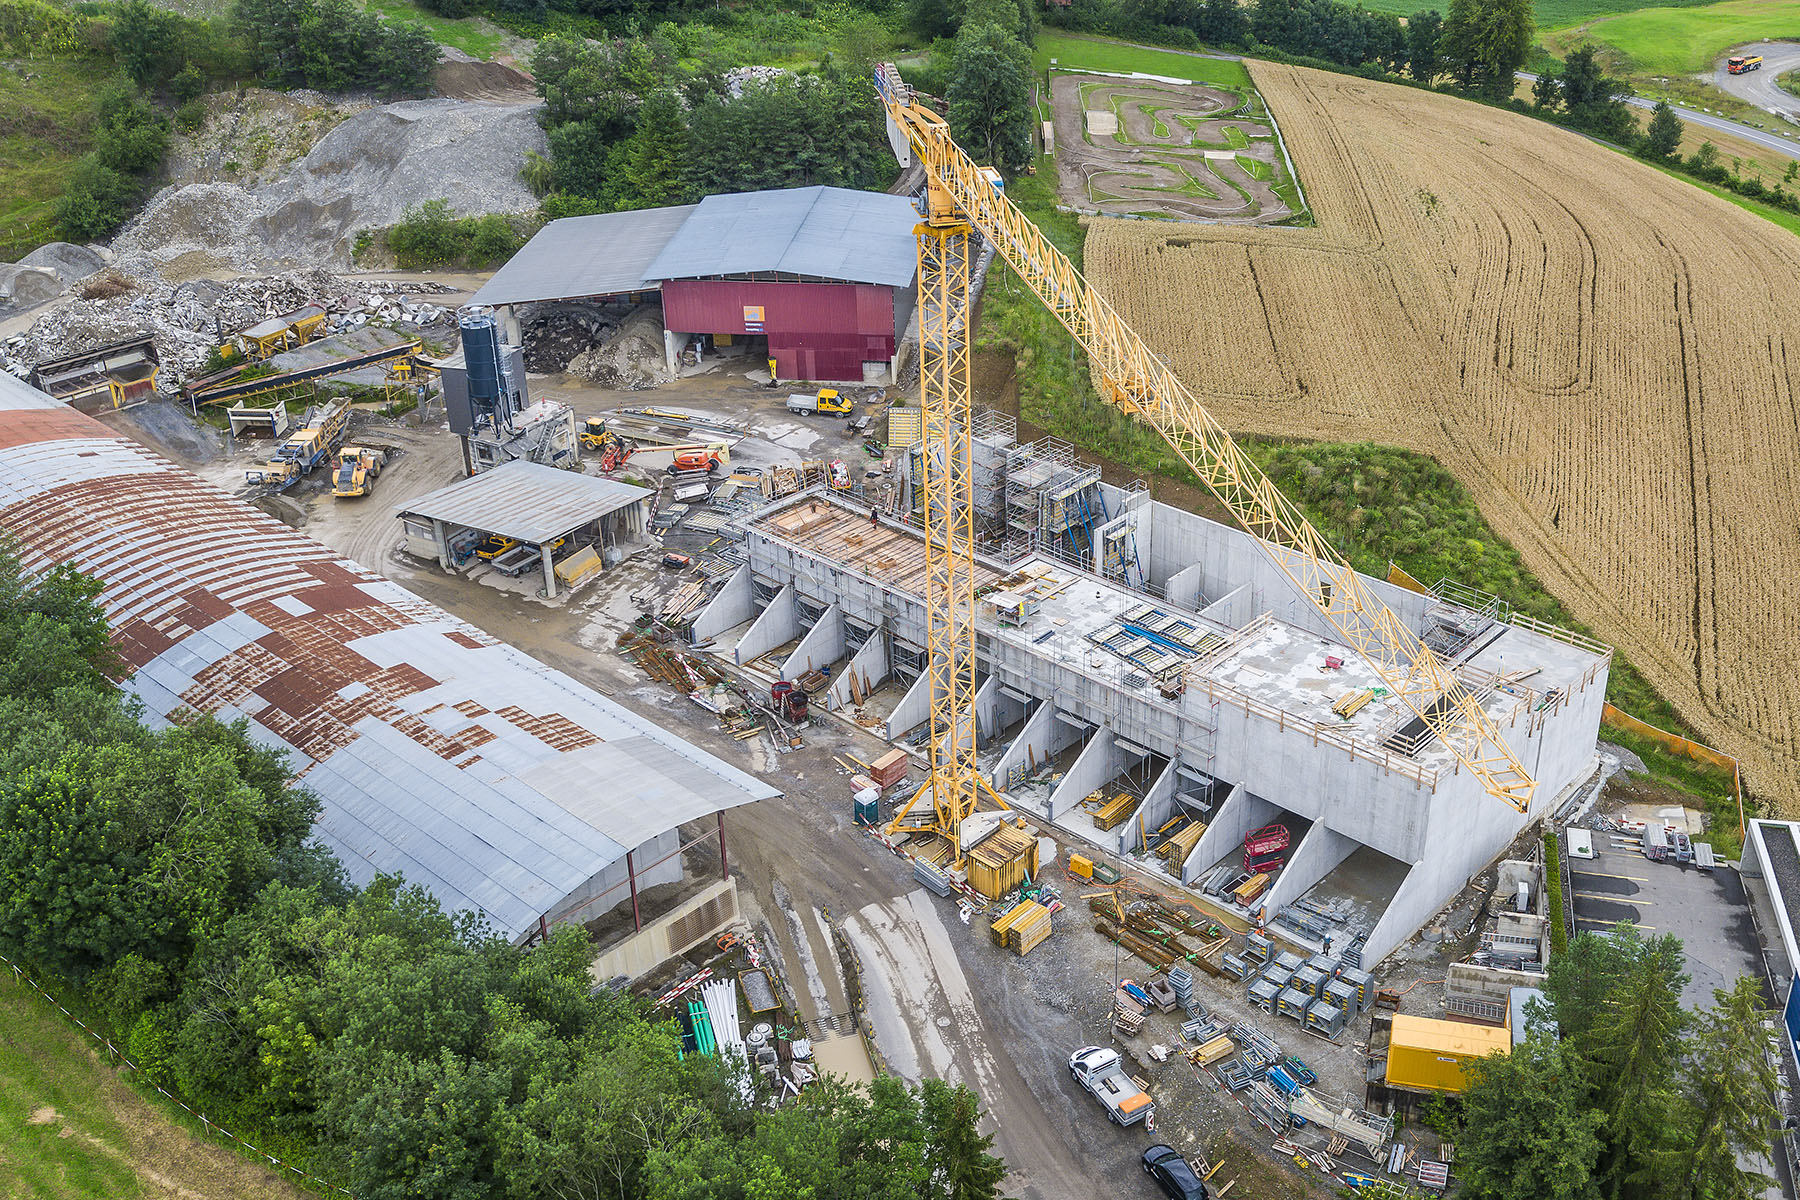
(1759, 87)
(1786, 147)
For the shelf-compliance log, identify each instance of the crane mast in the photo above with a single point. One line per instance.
(955, 785)
(1138, 382)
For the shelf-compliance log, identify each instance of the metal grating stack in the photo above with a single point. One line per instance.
(1182, 984)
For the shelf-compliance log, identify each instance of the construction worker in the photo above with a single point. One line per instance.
(874, 519)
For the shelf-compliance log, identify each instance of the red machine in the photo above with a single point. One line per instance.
(788, 700)
(1265, 849)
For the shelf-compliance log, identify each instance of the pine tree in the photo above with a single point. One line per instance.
(1728, 1104)
(957, 1154)
(1662, 139)
(1633, 1052)
(1526, 1133)
(655, 155)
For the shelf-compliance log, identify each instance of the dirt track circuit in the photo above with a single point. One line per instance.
(1165, 149)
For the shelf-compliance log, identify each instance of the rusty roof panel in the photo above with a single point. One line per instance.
(218, 608)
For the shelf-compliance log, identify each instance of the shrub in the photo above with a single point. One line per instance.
(106, 286)
(188, 84)
(95, 201)
(1553, 890)
(190, 116)
(426, 236)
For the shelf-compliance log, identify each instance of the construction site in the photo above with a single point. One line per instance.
(1024, 768)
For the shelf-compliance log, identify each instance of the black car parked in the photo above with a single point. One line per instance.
(1173, 1175)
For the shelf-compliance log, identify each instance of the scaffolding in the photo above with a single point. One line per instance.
(1053, 501)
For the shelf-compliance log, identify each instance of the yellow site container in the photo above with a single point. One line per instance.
(1431, 1054)
(1081, 865)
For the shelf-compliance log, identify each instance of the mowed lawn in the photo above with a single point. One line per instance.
(1675, 41)
(1098, 54)
(70, 1127)
(1548, 14)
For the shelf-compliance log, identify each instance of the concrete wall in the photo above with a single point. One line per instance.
(778, 625)
(1319, 853)
(870, 667)
(822, 645)
(914, 709)
(730, 607)
(997, 710)
(1158, 806)
(1488, 983)
(1099, 762)
(1238, 815)
(1042, 738)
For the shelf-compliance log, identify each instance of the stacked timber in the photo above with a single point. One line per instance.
(889, 769)
(1178, 845)
(1022, 928)
(1114, 811)
(1246, 892)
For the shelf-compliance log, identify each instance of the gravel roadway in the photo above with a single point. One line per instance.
(1759, 87)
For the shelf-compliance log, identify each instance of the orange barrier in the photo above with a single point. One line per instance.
(1400, 578)
(1686, 747)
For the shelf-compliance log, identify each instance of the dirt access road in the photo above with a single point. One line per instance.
(1759, 87)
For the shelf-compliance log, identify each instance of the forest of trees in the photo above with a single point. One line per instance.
(169, 877)
(1621, 1094)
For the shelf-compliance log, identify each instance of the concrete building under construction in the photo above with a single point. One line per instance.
(1129, 647)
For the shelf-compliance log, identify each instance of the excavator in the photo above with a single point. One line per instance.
(358, 468)
(962, 201)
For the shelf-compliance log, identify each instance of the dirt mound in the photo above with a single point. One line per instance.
(630, 359)
(363, 174)
(556, 333)
(474, 80)
(45, 274)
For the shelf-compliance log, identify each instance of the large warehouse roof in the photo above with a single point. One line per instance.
(525, 500)
(600, 255)
(818, 232)
(823, 232)
(435, 750)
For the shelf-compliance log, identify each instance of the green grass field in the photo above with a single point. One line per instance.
(1094, 54)
(1549, 14)
(474, 37)
(1682, 40)
(70, 1127)
(46, 110)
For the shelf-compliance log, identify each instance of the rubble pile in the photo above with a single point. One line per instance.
(738, 78)
(188, 319)
(556, 333)
(631, 357)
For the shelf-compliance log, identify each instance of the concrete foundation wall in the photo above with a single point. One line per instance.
(1238, 815)
(1158, 806)
(1488, 983)
(870, 667)
(914, 709)
(1097, 764)
(1040, 738)
(1183, 587)
(778, 625)
(997, 710)
(730, 607)
(822, 645)
(1319, 853)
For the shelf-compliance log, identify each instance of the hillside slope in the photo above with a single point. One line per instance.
(1605, 357)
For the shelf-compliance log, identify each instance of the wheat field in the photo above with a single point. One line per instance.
(1608, 358)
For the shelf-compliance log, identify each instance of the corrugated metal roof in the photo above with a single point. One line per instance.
(600, 255)
(435, 751)
(822, 232)
(525, 500)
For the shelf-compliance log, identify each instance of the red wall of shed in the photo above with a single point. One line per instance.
(815, 330)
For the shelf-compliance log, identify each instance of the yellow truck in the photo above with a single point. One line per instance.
(358, 468)
(826, 402)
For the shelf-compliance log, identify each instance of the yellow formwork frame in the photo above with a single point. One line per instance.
(1138, 382)
(955, 786)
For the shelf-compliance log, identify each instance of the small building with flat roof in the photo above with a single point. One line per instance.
(554, 518)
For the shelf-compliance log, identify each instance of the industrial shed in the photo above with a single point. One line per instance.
(534, 505)
(436, 751)
(819, 279)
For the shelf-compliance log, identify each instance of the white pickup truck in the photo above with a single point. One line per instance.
(1099, 1071)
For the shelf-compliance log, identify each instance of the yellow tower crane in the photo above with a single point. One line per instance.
(961, 198)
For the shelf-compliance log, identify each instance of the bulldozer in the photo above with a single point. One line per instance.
(595, 435)
(358, 468)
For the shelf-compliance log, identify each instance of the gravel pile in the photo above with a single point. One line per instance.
(738, 77)
(44, 274)
(631, 358)
(556, 333)
(188, 319)
(364, 174)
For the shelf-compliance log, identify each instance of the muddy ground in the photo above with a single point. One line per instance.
(942, 1000)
